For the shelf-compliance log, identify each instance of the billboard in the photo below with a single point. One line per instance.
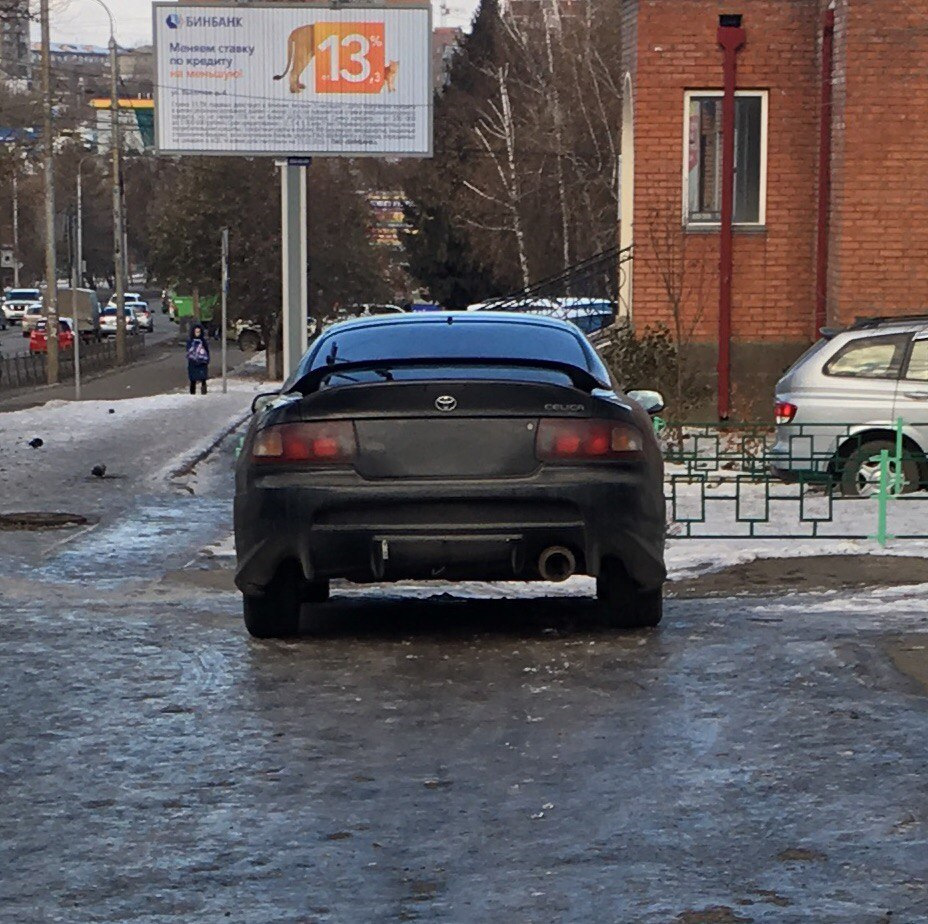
(288, 79)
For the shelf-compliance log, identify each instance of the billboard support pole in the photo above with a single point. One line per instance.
(225, 307)
(294, 252)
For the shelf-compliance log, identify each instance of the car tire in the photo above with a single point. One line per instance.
(315, 591)
(860, 473)
(249, 342)
(276, 614)
(623, 604)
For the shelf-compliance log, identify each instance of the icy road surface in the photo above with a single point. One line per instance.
(456, 758)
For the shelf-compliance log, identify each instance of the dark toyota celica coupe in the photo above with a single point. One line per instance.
(453, 447)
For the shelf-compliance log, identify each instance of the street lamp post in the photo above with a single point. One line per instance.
(15, 227)
(51, 273)
(78, 279)
(119, 268)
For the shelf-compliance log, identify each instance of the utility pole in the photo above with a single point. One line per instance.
(119, 266)
(224, 320)
(79, 231)
(51, 274)
(294, 246)
(15, 230)
(78, 281)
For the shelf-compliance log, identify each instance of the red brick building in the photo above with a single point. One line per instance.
(829, 138)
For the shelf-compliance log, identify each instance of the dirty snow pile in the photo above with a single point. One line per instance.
(57, 445)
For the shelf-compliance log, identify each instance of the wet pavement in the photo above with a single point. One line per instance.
(448, 759)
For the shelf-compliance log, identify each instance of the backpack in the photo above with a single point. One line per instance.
(197, 353)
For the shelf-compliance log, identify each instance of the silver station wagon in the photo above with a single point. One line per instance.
(853, 394)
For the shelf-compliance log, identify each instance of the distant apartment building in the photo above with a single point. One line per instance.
(445, 42)
(15, 60)
(84, 70)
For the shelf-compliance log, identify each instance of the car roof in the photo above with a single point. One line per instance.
(453, 317)
(487, 319)
(901, 322)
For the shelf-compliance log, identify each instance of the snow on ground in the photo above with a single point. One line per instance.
(790, 521)
(135, 438)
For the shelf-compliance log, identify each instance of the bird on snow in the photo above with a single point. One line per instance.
(36, 443)
(98, 471)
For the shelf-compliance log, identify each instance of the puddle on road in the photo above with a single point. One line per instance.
(160, 534)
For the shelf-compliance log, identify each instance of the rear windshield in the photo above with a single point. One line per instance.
(437, 339)
(111, 312)
(432, 337)
(448, 373)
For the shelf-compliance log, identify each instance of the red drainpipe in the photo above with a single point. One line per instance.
(824, 174)
(731, 37)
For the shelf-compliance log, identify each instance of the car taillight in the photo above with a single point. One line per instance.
(328, 443)
(784, 412)
(562, 439)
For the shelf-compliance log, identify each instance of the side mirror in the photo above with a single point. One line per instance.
(651, 401)
(260, 402)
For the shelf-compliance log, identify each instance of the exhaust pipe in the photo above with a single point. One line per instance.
(557, 563)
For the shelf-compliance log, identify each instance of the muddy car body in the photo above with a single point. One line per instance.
(452, 446)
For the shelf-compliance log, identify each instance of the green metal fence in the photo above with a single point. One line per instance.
(821, 481)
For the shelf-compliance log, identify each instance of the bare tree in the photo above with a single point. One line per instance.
(496, 126)
(681, 274)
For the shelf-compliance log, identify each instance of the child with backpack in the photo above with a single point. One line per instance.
(197, 359)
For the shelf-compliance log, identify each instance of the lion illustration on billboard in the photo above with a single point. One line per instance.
(301, 48)
(389, 76)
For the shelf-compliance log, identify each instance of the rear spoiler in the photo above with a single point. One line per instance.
(311, 381)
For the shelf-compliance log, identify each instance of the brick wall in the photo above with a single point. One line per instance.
(774, 278)
(879, 229)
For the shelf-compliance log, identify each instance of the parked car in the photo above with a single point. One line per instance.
(34, 312)
(460, 446)
(38, 341)
(108, 321)
(837, 406)
(591, 315)
(16, 301)
(250, 337)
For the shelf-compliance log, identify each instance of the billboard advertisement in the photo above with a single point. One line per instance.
(280, 80)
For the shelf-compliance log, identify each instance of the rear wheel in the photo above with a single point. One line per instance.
(276, 614)
(860, 476)
(623, 603)
(315, 591)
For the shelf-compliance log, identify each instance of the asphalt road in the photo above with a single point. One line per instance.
(446, 759)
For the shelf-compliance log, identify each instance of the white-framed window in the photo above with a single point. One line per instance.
(702, 158)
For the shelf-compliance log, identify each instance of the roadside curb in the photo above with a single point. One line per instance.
(184, 465)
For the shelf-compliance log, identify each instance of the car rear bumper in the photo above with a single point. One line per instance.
(474, 530)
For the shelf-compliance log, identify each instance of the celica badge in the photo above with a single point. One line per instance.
(446, 403)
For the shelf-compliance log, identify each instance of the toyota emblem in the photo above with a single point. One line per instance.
(446, 403)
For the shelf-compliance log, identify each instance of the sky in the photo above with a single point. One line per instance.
(84, 22)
